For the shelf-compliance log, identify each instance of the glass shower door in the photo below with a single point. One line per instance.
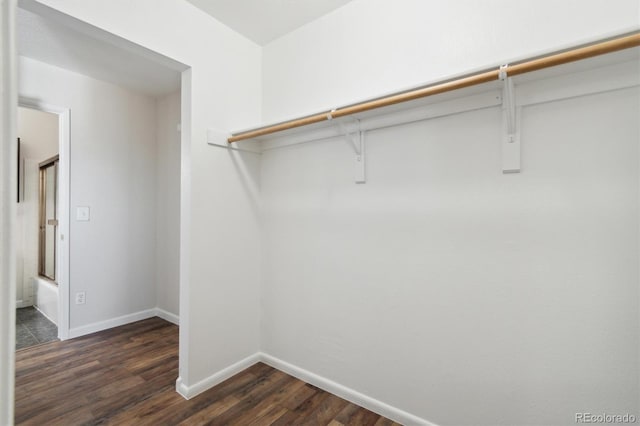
(48, 218)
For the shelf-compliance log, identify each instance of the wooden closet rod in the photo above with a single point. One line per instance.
(521, 67)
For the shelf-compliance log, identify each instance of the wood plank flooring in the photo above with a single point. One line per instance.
(126, 376)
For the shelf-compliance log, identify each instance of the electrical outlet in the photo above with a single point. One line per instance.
(80, 298)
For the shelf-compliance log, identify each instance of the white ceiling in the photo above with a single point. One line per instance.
(62, 42)
(56, 43)
(265, 20)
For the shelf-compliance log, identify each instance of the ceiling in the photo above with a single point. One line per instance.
(66, 46)
(265, 20)
(62, 42)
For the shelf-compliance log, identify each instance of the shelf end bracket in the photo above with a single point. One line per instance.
(510, 124)
(355, 138)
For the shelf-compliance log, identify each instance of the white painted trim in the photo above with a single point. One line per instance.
(167, 316)
(379, 407)
(8, 209)
(396, 116)
(64, 215)
(64, 209)
(549, 86)
(453, 76)
(218, 138)
(44, 315)
(118, 321)
(110, 323)
(344, 392)
(181, 388)
(22, 304)
(577, 84)
(185, 220)
(189, 392)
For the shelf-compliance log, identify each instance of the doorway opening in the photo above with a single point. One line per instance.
(122, 202)
(40, 207)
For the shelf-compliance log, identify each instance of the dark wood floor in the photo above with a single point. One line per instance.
(127, 375)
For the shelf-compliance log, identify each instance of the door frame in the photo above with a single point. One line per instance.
(64, 207)
(8, 206)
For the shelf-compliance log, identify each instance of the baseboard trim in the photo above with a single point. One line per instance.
(181, 388)
(344, 392)
(189, 392)
(22, 304)
(122, 320)
(110, 323)
(168, 316)
(45, 315)
(379, 407)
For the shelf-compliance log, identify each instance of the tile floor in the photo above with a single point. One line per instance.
(33, 328)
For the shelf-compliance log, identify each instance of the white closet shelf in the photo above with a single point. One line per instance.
(444, 90)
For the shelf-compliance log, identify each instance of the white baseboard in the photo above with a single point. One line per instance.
(189, 392)
(110, 323)
(168, 316)
(344, 392)
(45, 315)
(182, 389)
(125, 319)
(22, 304)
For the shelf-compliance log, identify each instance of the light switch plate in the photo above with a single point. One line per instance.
(82, 214)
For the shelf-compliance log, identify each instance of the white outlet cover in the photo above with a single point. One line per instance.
(82, 213)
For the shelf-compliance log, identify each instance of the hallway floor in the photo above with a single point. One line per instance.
(127, 376)
(33, 328)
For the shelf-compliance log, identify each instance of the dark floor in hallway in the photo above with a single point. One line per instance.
(33, 328)
(127, 376)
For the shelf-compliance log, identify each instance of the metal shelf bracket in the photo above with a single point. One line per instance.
(511, 124)
(355, 139)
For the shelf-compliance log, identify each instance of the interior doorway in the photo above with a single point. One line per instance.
(41, 224)
(44, 39)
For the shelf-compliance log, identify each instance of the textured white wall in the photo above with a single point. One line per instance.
(168, 203)
(454, 292)
(441, 286)
(38, 133)
(372, 47)
(113, 168)
(396, 288)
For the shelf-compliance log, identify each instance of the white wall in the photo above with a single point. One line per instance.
(441, 286)
(38, 133)
(340, 282)
(219, 299)
(372, 47)
(451, 291)
(168, 203)
(113, 172)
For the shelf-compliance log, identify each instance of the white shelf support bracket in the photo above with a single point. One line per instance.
(218, 139)
(360, 175)
(355, 139)
(510, 124)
